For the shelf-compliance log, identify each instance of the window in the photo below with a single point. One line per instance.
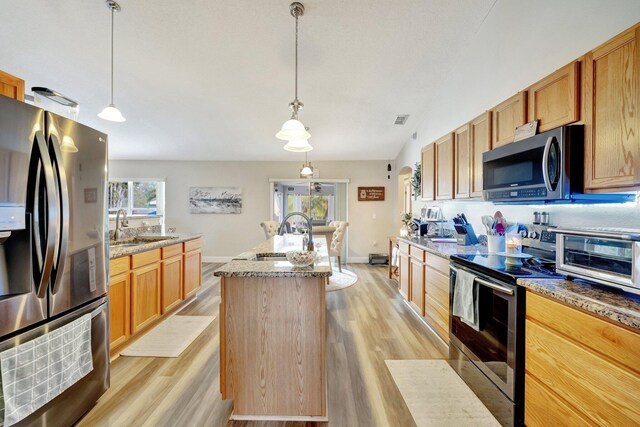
(140, 197)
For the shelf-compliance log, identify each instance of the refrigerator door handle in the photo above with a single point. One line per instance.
(63, 193)
(40, 163)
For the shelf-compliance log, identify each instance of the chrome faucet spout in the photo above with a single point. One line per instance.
(310, 227)
(119, 224)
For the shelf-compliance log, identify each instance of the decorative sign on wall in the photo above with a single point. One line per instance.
(215, 200)
(368, 194)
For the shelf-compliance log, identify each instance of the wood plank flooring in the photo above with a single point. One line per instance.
(367, 324)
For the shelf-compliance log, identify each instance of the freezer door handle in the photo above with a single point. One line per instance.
(62, 191)
(45, 213)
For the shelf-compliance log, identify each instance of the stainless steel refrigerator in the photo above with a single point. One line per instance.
(53, 242)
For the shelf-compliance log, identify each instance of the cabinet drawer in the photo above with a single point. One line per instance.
(171, 251)
(582, 378)
(437, 316)
(437, 286)
(418, 254)
(192, 245)
(119, 265)
(144, 258)
(438, 263)
(606, 338)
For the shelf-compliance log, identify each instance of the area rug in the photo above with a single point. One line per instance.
(437, 396)
(339, 280)
(170, 338)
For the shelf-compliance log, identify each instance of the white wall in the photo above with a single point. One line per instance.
(519, 43)
(228, 235)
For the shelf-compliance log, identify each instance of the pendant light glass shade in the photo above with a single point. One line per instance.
(112, 114)
(306, 171)
(298, 146)
(293, 129)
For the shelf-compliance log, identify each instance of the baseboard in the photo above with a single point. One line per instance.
(357, 260)
(216, 258)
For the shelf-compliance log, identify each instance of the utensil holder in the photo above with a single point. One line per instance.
(495, 243)
(466, 235)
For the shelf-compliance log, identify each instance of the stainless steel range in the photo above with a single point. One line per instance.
(489, 355)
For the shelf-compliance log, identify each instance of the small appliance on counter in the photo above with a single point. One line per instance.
(466, 234)
(607, 256)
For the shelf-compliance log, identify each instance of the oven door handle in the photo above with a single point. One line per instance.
(488, 284)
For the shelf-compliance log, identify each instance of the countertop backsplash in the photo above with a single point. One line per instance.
(626, 215)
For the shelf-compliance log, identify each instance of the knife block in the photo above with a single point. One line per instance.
(466, 235)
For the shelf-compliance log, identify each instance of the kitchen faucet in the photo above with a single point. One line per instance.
(120, 224)
(281, 229)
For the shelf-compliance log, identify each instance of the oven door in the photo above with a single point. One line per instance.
(531, 169)
(493, 347)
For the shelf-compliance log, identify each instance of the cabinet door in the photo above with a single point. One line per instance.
(192, 273)
(145, 296)
(403, 273)
(480, 136)
(11, 86)
(171, 282)
(612, 114)
(507, 116)
(555, 100)
(417, 285)
(444, 167)
(462, 162)
(428, 172)
(119, 308)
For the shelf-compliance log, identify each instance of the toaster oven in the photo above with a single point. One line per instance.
(606, 256)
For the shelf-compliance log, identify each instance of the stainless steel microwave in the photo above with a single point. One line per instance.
(547, 166)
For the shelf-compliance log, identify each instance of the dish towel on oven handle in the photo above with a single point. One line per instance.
(37, 371)
(465, 299)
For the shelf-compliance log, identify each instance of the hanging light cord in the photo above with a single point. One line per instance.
(112, 13)
(296, 85)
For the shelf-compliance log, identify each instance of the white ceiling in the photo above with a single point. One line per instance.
(212, 79)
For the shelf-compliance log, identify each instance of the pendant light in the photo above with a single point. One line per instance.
(110, 112)
(293, 129)
(307, 169)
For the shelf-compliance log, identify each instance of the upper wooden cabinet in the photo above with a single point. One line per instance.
(11, 86)
(612, 114)
(428, 172)
(444, 167)
(507, 116)
(462, 152)
(480, 141)
(555, 100)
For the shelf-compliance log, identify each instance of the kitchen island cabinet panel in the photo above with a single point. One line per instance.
(555, 100)
(543, 408)
(507, 116)
(611, 114)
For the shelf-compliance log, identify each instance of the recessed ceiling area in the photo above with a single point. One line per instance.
(212, 80)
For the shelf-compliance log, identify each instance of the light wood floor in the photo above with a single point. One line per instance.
(368, 323)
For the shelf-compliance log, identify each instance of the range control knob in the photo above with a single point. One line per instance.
(533, 235)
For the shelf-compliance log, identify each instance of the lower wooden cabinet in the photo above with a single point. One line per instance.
(145, 296)
(119, 308)
(417, 284)
(404, 274)
(172, 272)
(436, 288)
(192, 272)
(579, 369)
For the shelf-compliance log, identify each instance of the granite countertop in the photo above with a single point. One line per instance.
(141, 245)
(444, 250)
(247, 265)
(619, 306)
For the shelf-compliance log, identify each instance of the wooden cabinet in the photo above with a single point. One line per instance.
(555, 100)
(416, 261)
(444, 167)
(11, 86)
(480, 141)
(145, 296)
(579, 369)
(171, 282)
(507, 116)
(119, 308)
(462, 150)
(192, 272)
(404, 270)
(612, 114)
(428, 171)
(436, 300)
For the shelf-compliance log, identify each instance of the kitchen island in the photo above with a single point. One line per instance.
(273, 332)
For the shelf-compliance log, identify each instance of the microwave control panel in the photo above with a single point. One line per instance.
(521, 193)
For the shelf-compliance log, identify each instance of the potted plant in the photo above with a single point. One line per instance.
(407, 220)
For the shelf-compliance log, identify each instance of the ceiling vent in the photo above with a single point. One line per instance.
(415, 135)
(401, 119)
